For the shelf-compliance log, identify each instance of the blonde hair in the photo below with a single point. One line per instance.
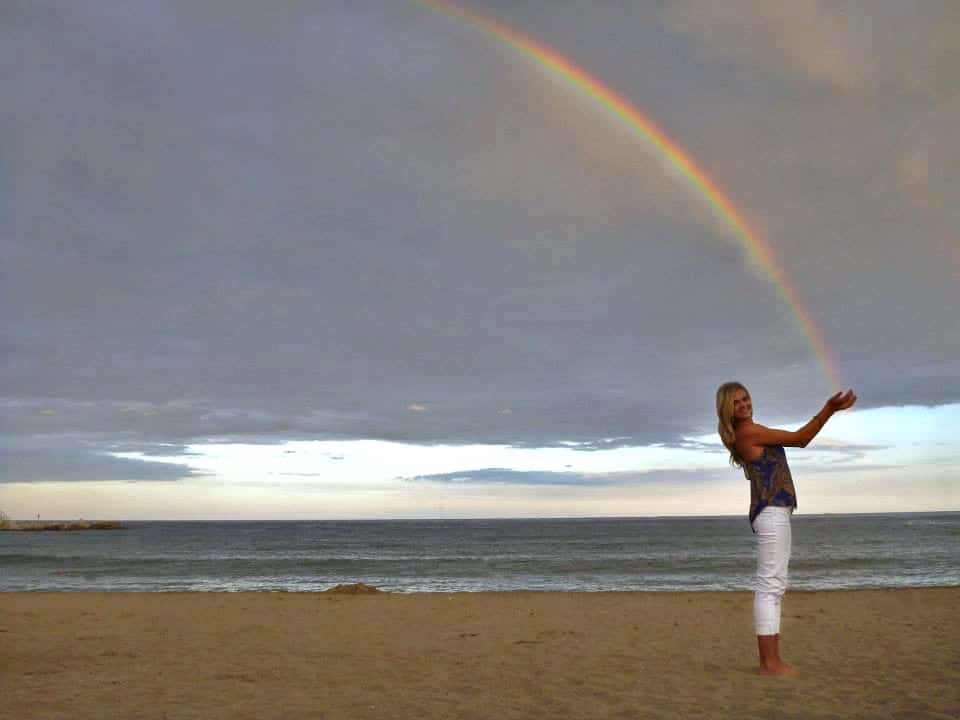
(725, 416)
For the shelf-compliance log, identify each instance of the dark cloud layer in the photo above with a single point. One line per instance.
(50, 458)
(223, 222)
(505, 476)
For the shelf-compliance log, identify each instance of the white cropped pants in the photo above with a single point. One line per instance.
(773, 557)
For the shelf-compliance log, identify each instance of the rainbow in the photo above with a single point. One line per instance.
(758, 250)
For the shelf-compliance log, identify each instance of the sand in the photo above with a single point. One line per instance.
(863, 654)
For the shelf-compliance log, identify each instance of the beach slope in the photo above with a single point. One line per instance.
(863, 654)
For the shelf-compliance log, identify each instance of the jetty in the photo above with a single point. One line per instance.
(56, 525)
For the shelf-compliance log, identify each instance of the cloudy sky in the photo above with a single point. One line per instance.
(361, 259)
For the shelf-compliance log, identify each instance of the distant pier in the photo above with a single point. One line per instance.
(58, 525)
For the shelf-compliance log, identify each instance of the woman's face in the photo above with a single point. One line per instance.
(742, 406)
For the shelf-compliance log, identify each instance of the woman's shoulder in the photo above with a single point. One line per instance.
(747, 428)
(755, 440)
(747, 433)
(746, 444)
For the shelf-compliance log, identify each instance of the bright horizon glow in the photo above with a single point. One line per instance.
(859, 464)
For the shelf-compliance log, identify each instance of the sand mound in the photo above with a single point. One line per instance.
(354, 589)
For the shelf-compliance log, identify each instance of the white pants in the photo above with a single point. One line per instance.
(773, 557)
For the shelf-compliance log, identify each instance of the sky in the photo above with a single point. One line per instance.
(363, 259)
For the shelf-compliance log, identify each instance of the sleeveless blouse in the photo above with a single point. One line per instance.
(770, 481)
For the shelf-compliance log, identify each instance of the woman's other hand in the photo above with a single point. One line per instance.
(841, 401)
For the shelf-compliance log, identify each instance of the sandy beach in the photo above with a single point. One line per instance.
(862, 654)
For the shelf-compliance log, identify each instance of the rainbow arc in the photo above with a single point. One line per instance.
(758, 250)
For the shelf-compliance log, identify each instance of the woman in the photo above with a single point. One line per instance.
(759, 451)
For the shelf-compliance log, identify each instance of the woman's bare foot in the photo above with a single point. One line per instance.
(770, 662)
(778, 668)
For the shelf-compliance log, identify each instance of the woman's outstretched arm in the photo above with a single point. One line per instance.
(755, 434)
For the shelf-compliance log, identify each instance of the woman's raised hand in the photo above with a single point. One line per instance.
(841, 401)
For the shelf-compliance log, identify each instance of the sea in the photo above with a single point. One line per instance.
(571, 554)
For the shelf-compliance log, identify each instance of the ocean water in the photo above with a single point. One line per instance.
(829, 551)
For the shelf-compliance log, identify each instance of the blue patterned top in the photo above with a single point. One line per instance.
(770, 481)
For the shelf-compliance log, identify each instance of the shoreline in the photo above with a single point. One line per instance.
(516, 654)
(373, 589)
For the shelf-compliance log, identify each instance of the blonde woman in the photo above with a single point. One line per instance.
(773, 498)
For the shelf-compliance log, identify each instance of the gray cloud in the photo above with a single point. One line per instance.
(59, 457)
(845, 447)
(861, 47)
(860, 469)
(505, 476)
(512, 477)
(222, 222)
